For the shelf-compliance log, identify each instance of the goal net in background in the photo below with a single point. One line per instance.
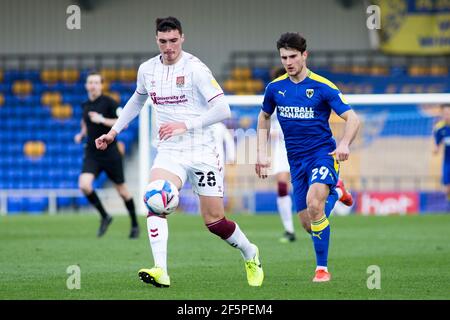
(391, 168)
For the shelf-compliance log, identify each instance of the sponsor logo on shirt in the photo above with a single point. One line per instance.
(180, 81)
(296, 112)
(168, 100)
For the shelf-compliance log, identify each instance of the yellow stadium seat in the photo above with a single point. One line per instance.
(379, 70)
(34, 149)
(241, 73)
(70, 75)
(109, 74)
(245, 122)
(437, 70)
(62, 111)
(416, 71)
(51, 98)
(127, 75)
(106, 85)
(1, 76)
(49, 76)
(229, 86)
(22, 87)
(2, 99)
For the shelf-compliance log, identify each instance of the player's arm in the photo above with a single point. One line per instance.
(100, 119)
(438, 138)
(218, 110)
(352, 124)
(83, 132)
(129, 112)
(263, 133)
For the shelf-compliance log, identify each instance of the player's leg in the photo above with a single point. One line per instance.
(320, 228)
(114, 170)
(164, 168)
(207, 181)
(323, 175)
(212, 211)
(122, 189)
(90, 170)
(284, 204)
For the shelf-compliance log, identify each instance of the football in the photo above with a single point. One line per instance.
(161, 197)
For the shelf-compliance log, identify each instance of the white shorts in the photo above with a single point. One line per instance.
(280, 161)
(203, 171)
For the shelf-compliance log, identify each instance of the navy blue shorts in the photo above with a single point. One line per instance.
(318, 169)
(446, 173)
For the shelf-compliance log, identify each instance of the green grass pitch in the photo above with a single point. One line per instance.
(412, 252)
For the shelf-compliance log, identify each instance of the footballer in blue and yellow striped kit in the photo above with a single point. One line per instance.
(303, 102)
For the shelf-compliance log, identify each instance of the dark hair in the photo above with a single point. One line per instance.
(291, 40)
(168, 24)
(95, 73)
(445, 105)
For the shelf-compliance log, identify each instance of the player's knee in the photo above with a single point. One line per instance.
(86, 188)
(223, 228)
(282, 189)
(315, 207)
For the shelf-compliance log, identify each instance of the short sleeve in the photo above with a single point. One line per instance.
(206, 84)
(140, 84)
(438, 137)
(268, 105)
(336, 100)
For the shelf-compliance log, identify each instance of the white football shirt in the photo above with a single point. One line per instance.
(179, 92)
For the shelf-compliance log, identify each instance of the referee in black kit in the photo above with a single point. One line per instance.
(99, 115)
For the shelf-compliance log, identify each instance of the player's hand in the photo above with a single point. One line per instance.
(104, 140)
(96, 117)
(262, 166)
(78, 137)
(435, 149)
(341, 153)
(171, 129)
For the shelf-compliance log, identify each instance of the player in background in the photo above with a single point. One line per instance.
(280, 167)
(303, 101)
(99, 115)
(441, 135)
(187, 101)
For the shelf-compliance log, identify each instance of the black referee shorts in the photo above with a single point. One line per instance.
(110, 162)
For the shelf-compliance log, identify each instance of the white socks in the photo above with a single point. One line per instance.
(285, 209)
(240, 241)
(158, 233)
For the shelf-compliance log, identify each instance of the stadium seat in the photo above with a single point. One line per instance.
(22, 87)
(51, 98)
(34, 149)
(62, 111)
(49, 76)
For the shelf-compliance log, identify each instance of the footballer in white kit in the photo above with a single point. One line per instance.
(182, 94)
(187, 101)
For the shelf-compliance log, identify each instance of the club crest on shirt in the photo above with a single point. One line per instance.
(180, 81)
(309, 93)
